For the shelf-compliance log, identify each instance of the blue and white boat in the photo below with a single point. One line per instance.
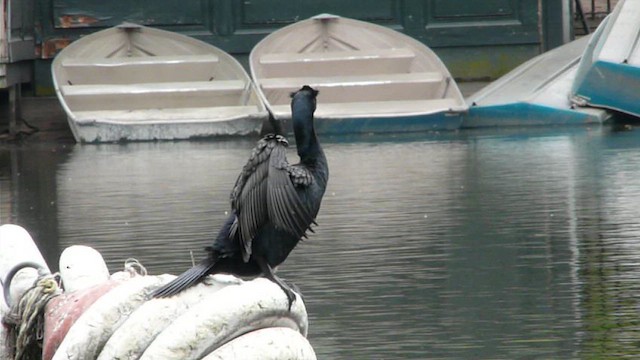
(371, 79)
(609, 73)
(535, 93)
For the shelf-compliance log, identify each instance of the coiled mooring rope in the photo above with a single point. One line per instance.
(25, 318)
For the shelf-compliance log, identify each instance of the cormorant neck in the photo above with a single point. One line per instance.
(306, 140)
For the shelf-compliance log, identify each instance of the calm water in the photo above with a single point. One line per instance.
(479, 245)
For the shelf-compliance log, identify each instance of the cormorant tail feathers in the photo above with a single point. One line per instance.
(185, 280)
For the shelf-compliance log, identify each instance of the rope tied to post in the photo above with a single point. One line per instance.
(25, 318)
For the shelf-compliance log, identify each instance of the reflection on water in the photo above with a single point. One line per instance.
(463, 245)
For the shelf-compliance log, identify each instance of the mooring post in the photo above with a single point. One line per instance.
(16, 247)
(14, 108)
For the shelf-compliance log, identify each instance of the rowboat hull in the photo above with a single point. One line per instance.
(535, 93)
(441, 121)
(134, 83)
(105, 129)
(370, 78)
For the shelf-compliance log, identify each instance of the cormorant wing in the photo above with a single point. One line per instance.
(286, 210)
(249, 195)
(300, 175)
(265, 191)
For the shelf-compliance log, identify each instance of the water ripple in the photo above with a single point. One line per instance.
(466, 245)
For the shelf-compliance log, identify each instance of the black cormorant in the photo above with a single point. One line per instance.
(273, 205)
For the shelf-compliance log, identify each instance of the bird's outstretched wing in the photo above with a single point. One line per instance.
(248, 197)
(265, 190)
(286, 210)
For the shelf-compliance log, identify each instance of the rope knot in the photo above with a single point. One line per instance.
(25, 318)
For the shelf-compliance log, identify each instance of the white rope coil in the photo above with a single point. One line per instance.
(125, 324)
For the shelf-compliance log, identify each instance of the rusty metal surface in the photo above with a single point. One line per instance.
(76, 20)
(50, 47)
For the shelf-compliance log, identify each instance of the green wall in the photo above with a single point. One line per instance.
(476, 39)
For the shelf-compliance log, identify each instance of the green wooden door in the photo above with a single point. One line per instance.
(480, 39)
(475, 39)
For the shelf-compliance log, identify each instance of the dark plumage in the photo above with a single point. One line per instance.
(273, 205)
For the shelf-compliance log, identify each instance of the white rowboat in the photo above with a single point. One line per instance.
(132, 82)
(370, 78)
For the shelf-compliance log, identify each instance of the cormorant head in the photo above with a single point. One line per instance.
(304, 99)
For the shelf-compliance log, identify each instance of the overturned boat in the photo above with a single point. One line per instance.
(535, 93)
(609, 73)
(132, 82)
(370, 78)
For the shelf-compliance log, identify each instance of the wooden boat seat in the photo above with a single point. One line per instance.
(154, 95)
(169, 116)
(352, 62)
(359, 88)
(123, 70)
(359, 80)
(397, 107)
